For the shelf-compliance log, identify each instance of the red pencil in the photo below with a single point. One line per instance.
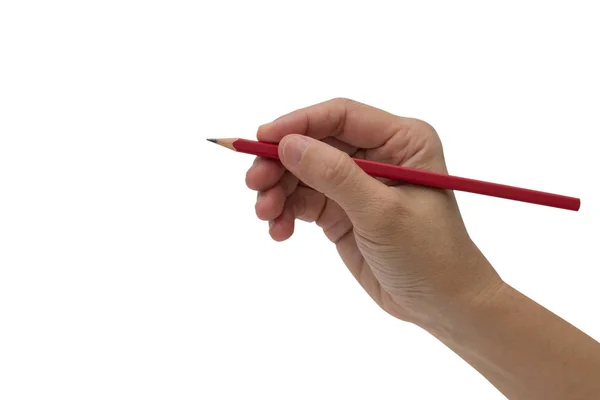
(420, 177)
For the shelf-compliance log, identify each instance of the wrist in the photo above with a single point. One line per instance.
(465, 308)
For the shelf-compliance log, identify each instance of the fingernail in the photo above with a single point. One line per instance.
(293, 149)
(283, 118)
(280, 123)
(259, 197)
(275, 121)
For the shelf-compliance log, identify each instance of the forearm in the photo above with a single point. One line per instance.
(521, 348)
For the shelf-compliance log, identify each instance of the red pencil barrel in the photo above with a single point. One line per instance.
(432, 179)
(426, 178)
(261, 149)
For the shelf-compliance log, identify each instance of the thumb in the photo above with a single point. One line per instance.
(331, 172)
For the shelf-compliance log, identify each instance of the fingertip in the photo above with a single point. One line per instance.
(265, 133)
(282, 228)
(249, 179)
(292, 147)
(269, 204)
(264, 174)
(288, 137)
(255, 180)
(274, 131)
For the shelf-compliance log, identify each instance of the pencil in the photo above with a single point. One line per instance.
(421, 177)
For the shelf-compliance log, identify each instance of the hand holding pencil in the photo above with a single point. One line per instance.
(371, 181)
(405, 244)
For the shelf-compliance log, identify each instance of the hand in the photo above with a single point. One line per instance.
(406, 245)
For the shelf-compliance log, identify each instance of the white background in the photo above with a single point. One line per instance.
(131, 263)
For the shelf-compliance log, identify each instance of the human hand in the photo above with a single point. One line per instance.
(406, 245)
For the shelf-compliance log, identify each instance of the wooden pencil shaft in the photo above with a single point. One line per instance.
(425, 178)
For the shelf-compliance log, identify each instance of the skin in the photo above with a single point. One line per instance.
(408, 247)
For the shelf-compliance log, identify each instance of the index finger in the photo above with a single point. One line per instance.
(352, 122)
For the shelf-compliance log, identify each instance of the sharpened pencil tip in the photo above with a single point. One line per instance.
(212, 140)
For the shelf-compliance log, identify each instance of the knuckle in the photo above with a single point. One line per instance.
(289, 183)
(299, 206)
(430, 137)
(248, 179)
(339, 111)
(423, 126)
(341, 100)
